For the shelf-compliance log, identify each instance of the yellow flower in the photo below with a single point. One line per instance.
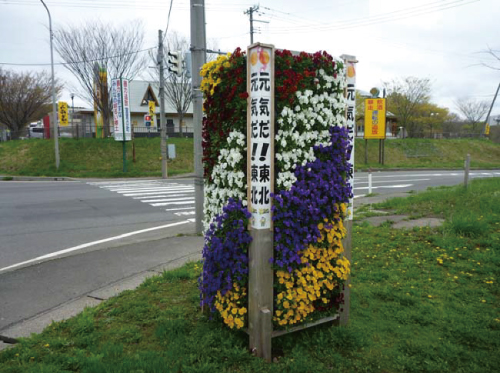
(242, 311)
(286, 304)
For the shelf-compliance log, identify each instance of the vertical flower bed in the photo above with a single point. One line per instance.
(311, 188)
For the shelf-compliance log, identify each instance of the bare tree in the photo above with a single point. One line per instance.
(495, 53)
(94, 50)
(405, 97)
(178, 89)
(473, 111)
(24, 98)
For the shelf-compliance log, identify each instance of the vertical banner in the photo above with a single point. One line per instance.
(63, 113)
(121, 109)
(152, 110)
(350, 73)
(100, 86)
(260, 133)
(374, 118)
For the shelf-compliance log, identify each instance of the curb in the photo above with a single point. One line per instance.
(71, 308)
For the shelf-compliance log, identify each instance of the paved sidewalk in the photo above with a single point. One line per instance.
(137, 262)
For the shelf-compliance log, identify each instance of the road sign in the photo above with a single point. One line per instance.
(374, 118)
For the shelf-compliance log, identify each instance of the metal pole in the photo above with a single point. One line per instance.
(250, 13)
(163, 144)
(489, 112)
(370, 181)
(123, 128)
(466, 173)
(54, 112)
(198, 54)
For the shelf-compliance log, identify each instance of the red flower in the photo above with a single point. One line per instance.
(244, 95)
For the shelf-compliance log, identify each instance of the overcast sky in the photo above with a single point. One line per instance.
(442, 40)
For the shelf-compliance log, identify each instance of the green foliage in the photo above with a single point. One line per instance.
(429, 153)
(422, 300)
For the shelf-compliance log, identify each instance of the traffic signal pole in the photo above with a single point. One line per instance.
(163, 144)
(198, 58)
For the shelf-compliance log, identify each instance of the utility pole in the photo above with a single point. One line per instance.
(163, 144)
(198, 59)
(54, 112)
(250, 12)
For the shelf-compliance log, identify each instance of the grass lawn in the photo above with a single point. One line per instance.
(422, 300)
(104, 157)
(93, 157)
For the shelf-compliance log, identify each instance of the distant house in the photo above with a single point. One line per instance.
(141, 92)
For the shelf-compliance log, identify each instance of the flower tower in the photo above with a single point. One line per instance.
(278, 167)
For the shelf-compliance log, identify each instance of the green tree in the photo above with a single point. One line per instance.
(405, 97)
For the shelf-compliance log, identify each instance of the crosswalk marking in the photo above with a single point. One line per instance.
(180, 197)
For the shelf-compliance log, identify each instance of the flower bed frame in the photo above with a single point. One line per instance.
(277, 258)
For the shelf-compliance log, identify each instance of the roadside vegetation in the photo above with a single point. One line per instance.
(88, 157)
(104, 157)
(422, 300)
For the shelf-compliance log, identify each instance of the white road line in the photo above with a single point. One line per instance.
(165, 196)
(186, 199)
(386, 186)
(391, 181)
(185, 213)
(85, 245)
(179, 208)
(147, 189)
(157, 193)
(172, 203)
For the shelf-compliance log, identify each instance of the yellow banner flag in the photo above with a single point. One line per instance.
(152, 110)
(63, 114)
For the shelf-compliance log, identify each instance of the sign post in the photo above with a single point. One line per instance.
(121, 114)
(375, 114)
(260, 160)
(350, 94)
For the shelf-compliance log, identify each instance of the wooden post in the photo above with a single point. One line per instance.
(350, 67)
(260, 154)
(347, 243)
(260, 293)
(383, 151)
(366, 151)
(466, 173)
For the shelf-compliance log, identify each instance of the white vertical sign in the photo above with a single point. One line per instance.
(260, 133)
(121, 109)
(350, 73)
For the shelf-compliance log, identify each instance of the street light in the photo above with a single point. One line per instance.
(54, 112)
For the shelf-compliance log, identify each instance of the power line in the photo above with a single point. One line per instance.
(383, 18)
(168, 20)
(76, 62)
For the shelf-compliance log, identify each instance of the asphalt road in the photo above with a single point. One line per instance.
(115, 229)
(42, 217)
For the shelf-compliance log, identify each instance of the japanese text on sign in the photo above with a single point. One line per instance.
(121, 110)
(351, 120)
(375, 118)
(63, 113)
(260, 135)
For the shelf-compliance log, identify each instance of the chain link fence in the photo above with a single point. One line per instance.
(85, 130)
